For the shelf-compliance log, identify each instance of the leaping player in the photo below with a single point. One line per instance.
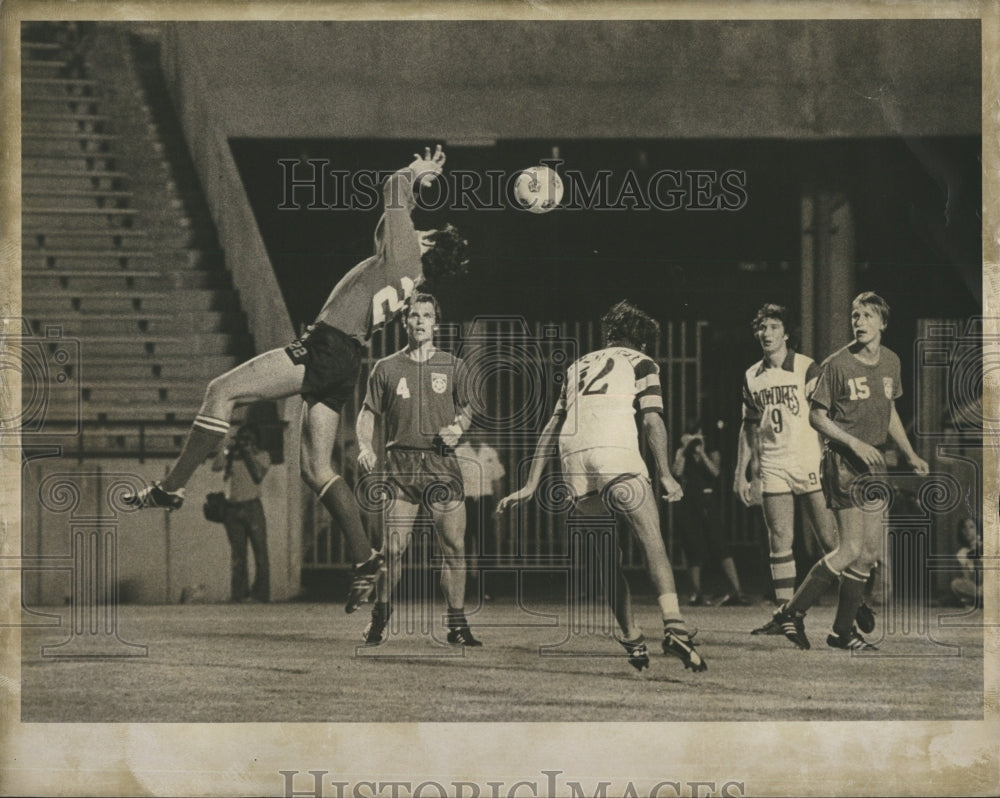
(324, 364)
(599, 449)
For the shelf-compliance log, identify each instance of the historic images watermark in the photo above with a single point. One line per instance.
(311, 184)
(546, 784)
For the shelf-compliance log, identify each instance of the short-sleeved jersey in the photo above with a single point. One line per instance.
(416, 400)
(602, 393)
(777, 399)
(375, 291)
(857, 397)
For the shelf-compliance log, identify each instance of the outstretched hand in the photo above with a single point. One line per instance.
(513, 500)
(426, 168)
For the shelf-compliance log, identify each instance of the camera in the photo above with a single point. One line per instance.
(48, 367)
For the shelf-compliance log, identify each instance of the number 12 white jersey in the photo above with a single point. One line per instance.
(601, 396)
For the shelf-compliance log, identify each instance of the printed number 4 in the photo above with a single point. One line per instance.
(859, 388)
(402, 389)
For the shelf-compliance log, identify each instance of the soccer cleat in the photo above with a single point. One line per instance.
(363, 583)
(852, 642)
(155, 496)
(376, 630)
(638, 654)
(769, 628)
(680, 645)
(865, 618)
(462, 636)
(696, 600)
(735, 600)
(792, 627)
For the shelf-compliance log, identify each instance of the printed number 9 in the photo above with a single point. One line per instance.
(776, 420)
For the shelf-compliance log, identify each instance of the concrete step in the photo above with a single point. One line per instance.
(152, 392)
(73, 105)
(50, 237)
(165, 367)
(117, 281)
(109, 219)
(148, 347)
(141, 324)
(59, 305)
(89, 412)
(33, 144)
(56, 180)
(77, 199)
(59, 87)
(31, 68)
(40, 49)
(99, 162)
(127, 440)
(110, 259)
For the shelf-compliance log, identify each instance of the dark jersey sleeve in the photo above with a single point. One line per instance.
(648, 393)
(751, 412)
(828, 385)
(375, 395)
(460, 386)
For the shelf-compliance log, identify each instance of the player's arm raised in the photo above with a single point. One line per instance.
(898, 434)
(544, 449)
(656, 435)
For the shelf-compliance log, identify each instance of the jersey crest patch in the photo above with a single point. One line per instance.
(439, 382)
(887, 384)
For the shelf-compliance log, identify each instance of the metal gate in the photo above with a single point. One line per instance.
(517, 368)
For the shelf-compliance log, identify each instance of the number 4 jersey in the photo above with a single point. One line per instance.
(777, 399)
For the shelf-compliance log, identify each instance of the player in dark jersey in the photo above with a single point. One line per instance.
(323, 365)
(854, 408)
(599, 449)
(419, 395)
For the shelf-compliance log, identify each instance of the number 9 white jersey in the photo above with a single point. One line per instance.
(778, 399)
(601, 396)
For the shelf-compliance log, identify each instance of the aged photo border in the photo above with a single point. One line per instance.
(933, 758)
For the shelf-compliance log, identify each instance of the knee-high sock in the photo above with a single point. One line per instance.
(852, 589)
(203, 440)
(339, 501)
(819, 579)
(783, 575)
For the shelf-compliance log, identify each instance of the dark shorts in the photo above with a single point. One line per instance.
(839, 472)
(424, 477)
(333, 364)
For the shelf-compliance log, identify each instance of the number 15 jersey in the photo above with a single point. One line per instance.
(601, 396)
(777, 398)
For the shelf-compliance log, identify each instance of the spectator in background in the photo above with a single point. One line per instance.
(244, 465)
(968, 588)
(697, 468)
(483, 479)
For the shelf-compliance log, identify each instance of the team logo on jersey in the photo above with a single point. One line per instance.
(439, 382)
(787, 395)
(887, 384)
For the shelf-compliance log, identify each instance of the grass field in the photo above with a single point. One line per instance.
(301, 662)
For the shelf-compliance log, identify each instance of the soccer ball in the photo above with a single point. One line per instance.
(538, 189)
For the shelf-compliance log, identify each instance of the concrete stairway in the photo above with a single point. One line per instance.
(119, 253)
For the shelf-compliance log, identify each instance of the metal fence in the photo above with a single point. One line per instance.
(515, 369)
